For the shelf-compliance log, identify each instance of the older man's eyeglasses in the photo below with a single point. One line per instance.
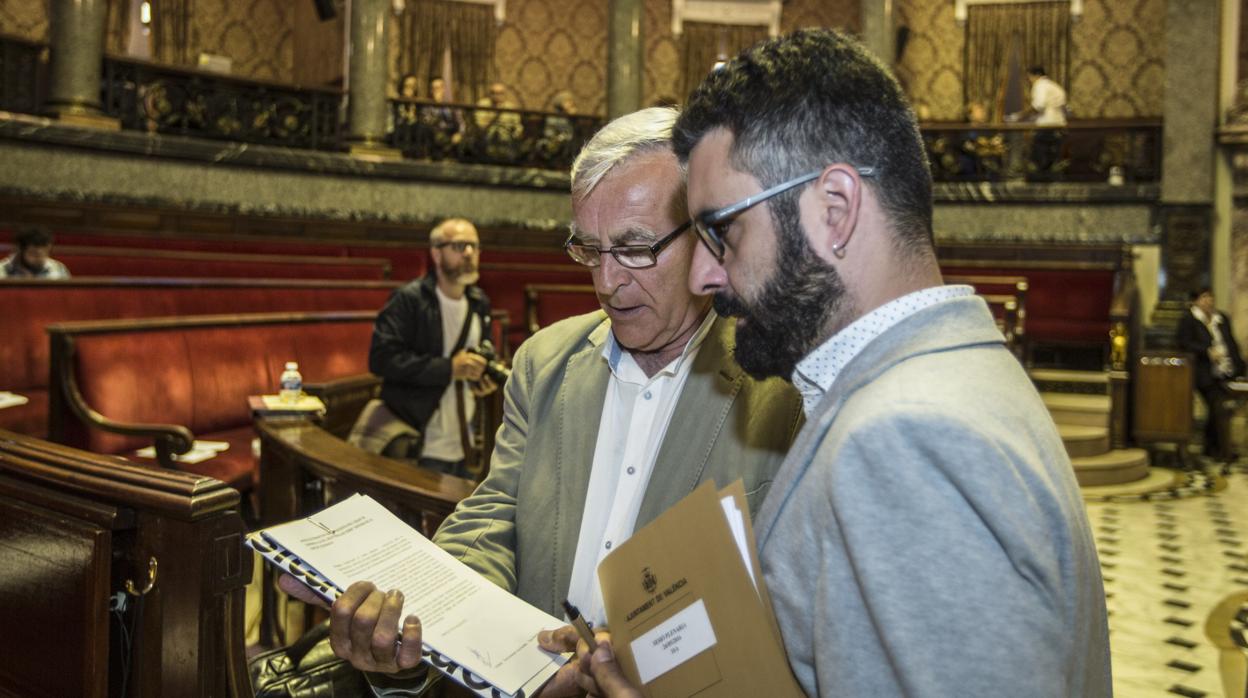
(631, 256)
(712, 226)
(460, 246)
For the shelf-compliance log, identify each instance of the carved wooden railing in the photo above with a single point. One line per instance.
(163, 99)
(97, 546)
(1129, 150)
(488, 135)
(23, 70)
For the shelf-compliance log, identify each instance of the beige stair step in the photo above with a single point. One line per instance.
(1076, 409)
(1083, 441)
(1056, 375)
(1112, 468)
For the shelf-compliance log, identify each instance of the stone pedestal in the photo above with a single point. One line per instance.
(77, 43)
(1187, 179)
(878, 32)
(624, 58)
(369, 73)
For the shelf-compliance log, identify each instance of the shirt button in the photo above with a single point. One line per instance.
(631, 470)
(608, 545)
(647, 394)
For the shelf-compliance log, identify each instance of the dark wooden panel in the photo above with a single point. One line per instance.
(47, 558)
(1163, 396)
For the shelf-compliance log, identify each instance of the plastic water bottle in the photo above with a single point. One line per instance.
(291, 383)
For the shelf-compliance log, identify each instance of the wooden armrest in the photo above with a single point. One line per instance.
(168, 439)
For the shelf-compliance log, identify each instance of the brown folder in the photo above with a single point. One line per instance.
(684, 615)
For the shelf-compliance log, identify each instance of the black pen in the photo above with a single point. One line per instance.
(578, 622)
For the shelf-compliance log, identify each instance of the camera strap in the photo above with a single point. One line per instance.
(461, 411)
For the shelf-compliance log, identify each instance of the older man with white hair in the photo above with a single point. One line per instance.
(583, 455)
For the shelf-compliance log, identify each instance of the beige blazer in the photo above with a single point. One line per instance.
(520, 527)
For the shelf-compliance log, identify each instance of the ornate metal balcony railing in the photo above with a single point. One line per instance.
(474, 134)
(1118, 152)
(22, 75)
(162, 99)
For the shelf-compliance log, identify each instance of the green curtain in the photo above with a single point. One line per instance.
(428, 27)
(1041, 33)
(117, 27)
(703, 44)
(171, 31)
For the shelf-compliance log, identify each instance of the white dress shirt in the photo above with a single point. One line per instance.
(816, 372)
(635, 415)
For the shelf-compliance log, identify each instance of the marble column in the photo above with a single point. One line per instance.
(77, 44)
(624, 57)
(878, 33)
(368, 68)
(1187, 175)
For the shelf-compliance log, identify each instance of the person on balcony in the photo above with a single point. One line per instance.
(1206, 332)
(1047, 110)
(33, 258)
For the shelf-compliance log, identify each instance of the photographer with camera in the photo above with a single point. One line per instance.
(431, 348)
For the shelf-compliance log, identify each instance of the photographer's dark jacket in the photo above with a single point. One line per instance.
(406, 350)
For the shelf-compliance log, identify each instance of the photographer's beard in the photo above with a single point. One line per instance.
(465, 273)
(790, 316)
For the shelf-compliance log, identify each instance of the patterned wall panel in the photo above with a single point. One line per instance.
(1117, 58)
(931, 67)
(258, 35)
(25, 18)
(547, 46)
(662, 64)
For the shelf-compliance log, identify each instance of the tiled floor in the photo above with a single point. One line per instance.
(1169, 560)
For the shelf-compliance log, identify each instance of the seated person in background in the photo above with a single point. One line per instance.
(408, 90)
(499, 127)
(442, 121)
(1047, 108)
(420, 349)
(559, 130)
(609, 419)
(1206, 332)
(33, 258)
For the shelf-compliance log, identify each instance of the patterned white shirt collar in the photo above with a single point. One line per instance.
(818, 370)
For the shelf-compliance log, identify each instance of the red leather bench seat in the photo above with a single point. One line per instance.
(30, 306)
(201, 377)
(84, 262)
(1063, 305)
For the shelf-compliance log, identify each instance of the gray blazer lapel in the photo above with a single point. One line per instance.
(579, 410)
(952, 324)
(696, 423)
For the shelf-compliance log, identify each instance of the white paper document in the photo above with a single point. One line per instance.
(200, 452)
(674, 641)
(463, 616)
(8, 399)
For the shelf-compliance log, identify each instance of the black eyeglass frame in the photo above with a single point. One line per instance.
(461, 246)
(705, 223)
(615, 250)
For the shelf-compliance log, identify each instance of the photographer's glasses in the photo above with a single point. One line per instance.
(631, 256)
(712, 226)
(460, 246)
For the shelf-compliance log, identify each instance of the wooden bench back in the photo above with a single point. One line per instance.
(80, 528)
(84, 260)
(117, 384)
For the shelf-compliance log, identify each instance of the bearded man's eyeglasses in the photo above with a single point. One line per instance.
(712, 226)
(460, 246)
(631, 256)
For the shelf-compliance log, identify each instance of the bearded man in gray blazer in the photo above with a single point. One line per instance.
(609, 418)
(925, 535)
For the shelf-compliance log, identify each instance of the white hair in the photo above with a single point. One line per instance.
(631, 134)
